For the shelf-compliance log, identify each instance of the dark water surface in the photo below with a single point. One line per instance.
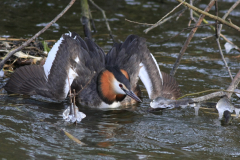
(33, 132)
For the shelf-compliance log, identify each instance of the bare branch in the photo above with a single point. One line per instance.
(157, 24)
(138, 22)
(105, 18)
(36, 35)
(210, 15)
(218, 43)
(189, 39)
(234, 84)
(225, 38)
(228, 12)
(209, 96)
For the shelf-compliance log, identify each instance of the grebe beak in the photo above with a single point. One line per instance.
(132, 95)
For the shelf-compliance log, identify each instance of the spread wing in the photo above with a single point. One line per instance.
(133, 56)
(128, 56)
(88, 69)
(170, 89)
(68, 59)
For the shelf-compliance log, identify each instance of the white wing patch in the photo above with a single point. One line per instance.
(157, 67)
(51, 56)
(143, 74)
(76, 59)
(68, 82)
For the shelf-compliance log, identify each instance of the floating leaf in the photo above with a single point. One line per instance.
(72, 137)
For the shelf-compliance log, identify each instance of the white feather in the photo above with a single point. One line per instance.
(70, 33)
(68, 82)
(113, 105)
(116, 87)
(77, 59)
(157, 67)
(143, 74)
(51, 56)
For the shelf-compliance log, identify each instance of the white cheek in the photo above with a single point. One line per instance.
(116, 87)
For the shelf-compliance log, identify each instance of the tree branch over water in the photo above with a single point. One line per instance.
(36, 35)
(177, 63)
(210, 15)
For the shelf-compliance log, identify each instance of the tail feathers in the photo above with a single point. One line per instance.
(26, 80)
(170, 88)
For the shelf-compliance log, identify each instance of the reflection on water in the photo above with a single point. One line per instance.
(30, 129)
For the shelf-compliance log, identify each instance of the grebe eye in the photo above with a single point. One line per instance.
(120, 85)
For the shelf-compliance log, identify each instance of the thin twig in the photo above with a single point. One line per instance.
(36, 35)
(181, 13)
(234, 84)
(210, 90)
(12, 39)
(216, 25)
(191, 14)
(191, 94)
(228, 12)
(224, 61)
(208, 37)
(210, 15)
(165, 20)
(225, 38)
(147, 24)
(217, 93)
(189, 39)
(218, 43)
(105, 18)
(85, 85)
(156, 24)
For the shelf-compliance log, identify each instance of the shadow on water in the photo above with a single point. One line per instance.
(29, 128)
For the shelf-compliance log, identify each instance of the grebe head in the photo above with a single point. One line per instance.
(114, 85)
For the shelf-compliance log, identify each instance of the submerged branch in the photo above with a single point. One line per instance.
(105, 18)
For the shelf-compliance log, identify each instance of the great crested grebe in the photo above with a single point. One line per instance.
(103, 80)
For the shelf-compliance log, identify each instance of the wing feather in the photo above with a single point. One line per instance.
(69, 60)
